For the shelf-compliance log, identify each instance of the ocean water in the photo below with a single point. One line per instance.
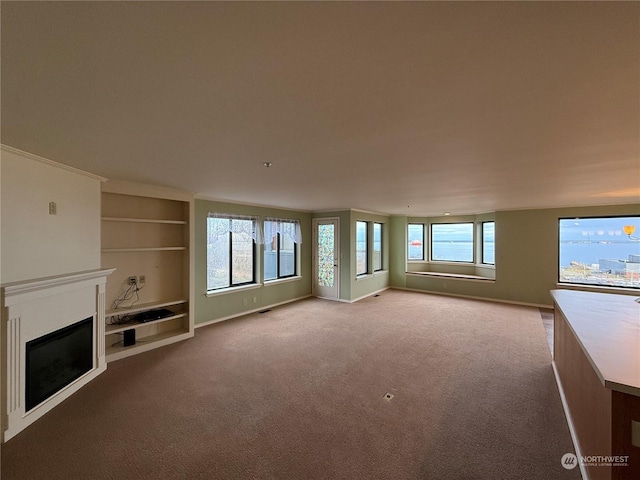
(452, 251)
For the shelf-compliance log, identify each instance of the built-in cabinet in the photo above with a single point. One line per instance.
(147, 233)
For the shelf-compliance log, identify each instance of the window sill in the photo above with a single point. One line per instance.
(454, 276)
(599, 288)
(365, 276)
(458, 264)
(277, 281)
(224, 291)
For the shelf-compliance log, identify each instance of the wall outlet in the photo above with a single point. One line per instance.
(53, 208)
(244, 302)
(133, 281)
(255, 299)
(142, 279)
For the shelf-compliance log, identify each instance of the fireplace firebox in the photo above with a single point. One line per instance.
(55, 360)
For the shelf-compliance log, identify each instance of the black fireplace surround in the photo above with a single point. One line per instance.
(55, 360)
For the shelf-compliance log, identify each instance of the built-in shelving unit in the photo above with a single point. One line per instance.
(146, 231)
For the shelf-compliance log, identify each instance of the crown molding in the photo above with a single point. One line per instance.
(38, 158)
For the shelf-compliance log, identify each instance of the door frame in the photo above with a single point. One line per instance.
(314, 287)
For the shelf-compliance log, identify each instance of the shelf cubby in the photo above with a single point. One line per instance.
(147, 231)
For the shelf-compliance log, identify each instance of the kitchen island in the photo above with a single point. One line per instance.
(596, 360)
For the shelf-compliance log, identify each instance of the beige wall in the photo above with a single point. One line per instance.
(34, 243)
(235, 303)
(368, 284)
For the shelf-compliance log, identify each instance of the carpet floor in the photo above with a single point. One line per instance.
(401, 386)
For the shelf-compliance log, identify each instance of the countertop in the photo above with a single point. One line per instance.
(607, 326)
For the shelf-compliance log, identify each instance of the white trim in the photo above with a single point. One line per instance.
(249, 312)
(240, 288)
(567, 414)
(453, 276)
(363, 276)
(57, 282)
(207, 198)
(52, 163)
(369, 212)
(491, 266)
(123, 187)
(598, 288)
(472, 297)
(277, 281)
(314, 249)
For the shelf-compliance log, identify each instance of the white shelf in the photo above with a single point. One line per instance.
(116, 352)
(144, 220)
(144, 306)
(109, 329)
(143, 249)
(141, 226)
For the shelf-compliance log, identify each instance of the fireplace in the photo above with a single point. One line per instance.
(55, 360)
(54, 331)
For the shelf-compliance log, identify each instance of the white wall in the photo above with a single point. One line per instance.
(34, 243)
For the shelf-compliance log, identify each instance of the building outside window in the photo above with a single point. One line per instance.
(602, 251)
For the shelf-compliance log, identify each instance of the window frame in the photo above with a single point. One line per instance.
(231, 284)
(278, 239)
(366, 250)
(482, 242)
(561, 281)
(473, 243)
(422, 250)
(373, 247)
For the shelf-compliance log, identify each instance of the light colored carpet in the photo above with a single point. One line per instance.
(299, 393)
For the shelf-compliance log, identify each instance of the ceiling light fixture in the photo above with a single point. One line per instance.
(446, 214)
(267, 164)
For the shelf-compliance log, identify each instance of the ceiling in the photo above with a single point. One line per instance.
(399, 108)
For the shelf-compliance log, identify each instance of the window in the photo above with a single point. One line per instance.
(377, 247)
(488, 243)
(600, 251)
(362, 248)
(452, 242)
(280, 249)
(415, 238)
(231, 243)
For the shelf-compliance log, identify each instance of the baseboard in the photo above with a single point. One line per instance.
(472, 297)
(572, 431)
(367, 295)
(249, 312)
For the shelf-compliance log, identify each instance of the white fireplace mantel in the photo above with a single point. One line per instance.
(33, 308)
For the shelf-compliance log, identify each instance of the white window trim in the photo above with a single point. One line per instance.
(363, 276)
(238, 288)
(277, 281)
